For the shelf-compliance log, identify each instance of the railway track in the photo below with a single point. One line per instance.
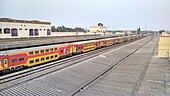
(109, 69)
(38, 71)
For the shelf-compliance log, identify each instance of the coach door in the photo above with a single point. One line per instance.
(5, 63)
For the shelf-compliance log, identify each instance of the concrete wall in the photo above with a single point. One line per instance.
(98, 29)
(164, 46)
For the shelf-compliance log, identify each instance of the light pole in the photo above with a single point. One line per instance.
(85, 34)
(145, 29)
(104, 33)
(95, 34)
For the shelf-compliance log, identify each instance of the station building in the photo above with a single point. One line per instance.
(98, 28)
(11, 28)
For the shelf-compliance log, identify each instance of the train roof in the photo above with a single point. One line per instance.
(109, 38)
(80, 42)
(32, 48)
(93, 40)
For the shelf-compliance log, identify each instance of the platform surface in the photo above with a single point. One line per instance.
(141, 74)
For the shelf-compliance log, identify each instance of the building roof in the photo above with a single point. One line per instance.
(23, 21)
(98, 27)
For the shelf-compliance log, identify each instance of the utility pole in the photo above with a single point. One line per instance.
(145, 29)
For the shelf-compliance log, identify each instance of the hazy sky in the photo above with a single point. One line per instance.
(115, 14)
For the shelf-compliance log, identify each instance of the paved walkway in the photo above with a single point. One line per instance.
(138, 76)
(157, 78)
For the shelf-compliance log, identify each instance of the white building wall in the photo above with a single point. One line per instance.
(25, 29)
(97, 29)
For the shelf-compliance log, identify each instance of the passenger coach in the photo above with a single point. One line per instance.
(18, 58)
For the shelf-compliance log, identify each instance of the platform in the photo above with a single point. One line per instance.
(141, 74)
(24, 42)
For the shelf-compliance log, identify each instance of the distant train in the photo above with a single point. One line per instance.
(19, 58)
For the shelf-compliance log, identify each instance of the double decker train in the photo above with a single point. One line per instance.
(15, 59)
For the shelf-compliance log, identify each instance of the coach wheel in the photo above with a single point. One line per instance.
(13, 69)
(24, 66)
(69, 55)
(1, 72)
(7, 70)
(21, 67)
(18, 68)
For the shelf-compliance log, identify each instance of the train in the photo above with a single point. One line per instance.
(15, 59)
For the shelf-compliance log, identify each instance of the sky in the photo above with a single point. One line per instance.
(114, 14)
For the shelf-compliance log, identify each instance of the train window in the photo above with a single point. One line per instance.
(47, 50)
(51, 57)
(31, 61)
(6, 31)
(5, 61)
(14, 60)
(56, 56)
(85, 44)
(47, 58)
(51, 49)
(42, 51)
(42, 59)
(37, 60)
(55, 48)
(36, 52)
(21, 59)
(0, 31)
(61, 51)
(31, 53)
(79, 47)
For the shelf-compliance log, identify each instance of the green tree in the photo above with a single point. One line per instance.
(53, 29)
(79, 29)
(66, 29)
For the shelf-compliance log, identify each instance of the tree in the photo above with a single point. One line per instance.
(78, 29)
(100, 24)
(53, 29)
(67, 29)
(160, 31)
(138, 29)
